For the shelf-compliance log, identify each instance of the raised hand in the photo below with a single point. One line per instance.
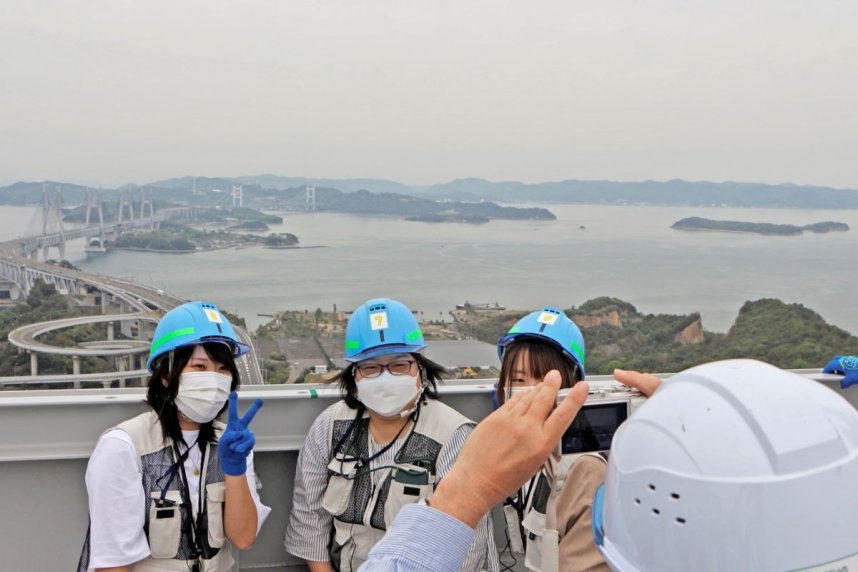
(506, 449)
(237, 440)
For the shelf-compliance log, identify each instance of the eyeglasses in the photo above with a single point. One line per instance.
(398, 367)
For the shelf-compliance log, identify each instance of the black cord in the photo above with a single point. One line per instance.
(507, 549)
(364, 461)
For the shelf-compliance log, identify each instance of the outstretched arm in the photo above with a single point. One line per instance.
(506, 449)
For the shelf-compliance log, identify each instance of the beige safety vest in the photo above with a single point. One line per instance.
(167, 544)
(362, 512)
(534, 519)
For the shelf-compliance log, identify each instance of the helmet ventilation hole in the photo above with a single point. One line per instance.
(651, 487)
(674, 496)
(656, 512)
(680, 520)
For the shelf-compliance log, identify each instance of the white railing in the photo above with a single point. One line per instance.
(46, 437)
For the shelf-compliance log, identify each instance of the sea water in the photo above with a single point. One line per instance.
(629, 252)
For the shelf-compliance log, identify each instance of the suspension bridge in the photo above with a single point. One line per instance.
(135, 307)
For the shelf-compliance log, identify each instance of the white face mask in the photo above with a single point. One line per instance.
(202, 394)
(513, 391)
(387, 394)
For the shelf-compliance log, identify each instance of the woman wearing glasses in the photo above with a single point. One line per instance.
(385, 445)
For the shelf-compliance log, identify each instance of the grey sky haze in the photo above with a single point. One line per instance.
(110, 91)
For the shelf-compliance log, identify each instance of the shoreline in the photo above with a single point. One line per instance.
(689, 229)
(233, 247)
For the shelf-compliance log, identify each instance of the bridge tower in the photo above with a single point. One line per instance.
(237, 195)
(94, 200)
(46, 208)
(146, 202)
(125, 200)
(310, 203)
(52, 221)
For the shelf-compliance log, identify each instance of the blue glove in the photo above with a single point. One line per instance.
(237, 440)
(846, 366)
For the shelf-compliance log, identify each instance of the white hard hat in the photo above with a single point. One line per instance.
(733, 465)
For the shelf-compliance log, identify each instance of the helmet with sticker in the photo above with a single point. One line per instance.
(551, 325)
(382, 326)
(190, 324)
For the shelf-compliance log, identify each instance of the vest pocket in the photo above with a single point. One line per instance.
(407, 485)
(215, 496)
(338, 494)
(534, 527)
(165, 524)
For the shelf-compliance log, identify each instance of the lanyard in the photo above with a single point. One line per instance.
(364, 461)
(196, 551)
(192, 522)
(174, 468)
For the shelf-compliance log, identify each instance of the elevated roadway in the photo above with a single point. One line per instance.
(25, 336)
(140, 302)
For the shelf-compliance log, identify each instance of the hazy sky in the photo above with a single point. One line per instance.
(108, 91)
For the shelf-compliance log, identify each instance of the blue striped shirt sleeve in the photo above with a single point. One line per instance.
(412, 543)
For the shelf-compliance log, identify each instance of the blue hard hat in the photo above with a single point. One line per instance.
(553, 326)
(382, 326)
(191, 324)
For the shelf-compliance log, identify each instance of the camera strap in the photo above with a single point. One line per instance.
(551, 537)
(513, 510)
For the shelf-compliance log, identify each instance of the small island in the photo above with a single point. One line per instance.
(175, 237)
(827, 226)
(249, 226)
(243, 217)
(281, 240)
(424, 210)
(698, 223)
(467, 218)
(192, 240)
(178, 238)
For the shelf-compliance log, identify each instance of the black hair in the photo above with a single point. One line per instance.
(161, 397)
(430, 372)
(542, 357)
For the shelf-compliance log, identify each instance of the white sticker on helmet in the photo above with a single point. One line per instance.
(213, 316)
(378, 321)
(547, 318)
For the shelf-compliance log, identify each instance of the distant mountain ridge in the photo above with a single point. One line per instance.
(674, 192)
(660, 193)
(216, 192)
(345, 185)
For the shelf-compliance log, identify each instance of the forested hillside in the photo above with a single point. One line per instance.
(618, 336)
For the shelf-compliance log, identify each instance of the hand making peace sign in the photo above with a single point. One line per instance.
(237, 440)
